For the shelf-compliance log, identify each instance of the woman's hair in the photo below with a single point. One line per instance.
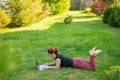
(53, 50)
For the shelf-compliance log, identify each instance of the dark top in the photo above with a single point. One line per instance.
(65, 62)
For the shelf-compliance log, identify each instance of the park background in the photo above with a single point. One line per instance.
(29, 27)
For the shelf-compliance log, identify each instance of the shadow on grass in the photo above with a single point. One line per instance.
(79, 24)
(62, 24)
(79, 17)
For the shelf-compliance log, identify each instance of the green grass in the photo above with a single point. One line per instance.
(73, 40)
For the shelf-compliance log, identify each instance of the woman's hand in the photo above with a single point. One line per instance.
(46, 64)
(46, 67)
(57, 63)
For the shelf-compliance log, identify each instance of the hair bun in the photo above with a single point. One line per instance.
(53, 50)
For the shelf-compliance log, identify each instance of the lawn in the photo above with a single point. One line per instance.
(73, 40)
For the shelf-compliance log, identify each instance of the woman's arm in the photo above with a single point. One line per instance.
(57, 64)
(52, 63)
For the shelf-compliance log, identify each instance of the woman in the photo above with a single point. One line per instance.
(61, 61)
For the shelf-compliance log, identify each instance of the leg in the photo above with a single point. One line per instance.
(92, 62)
(80, 63)
(83, 64)
(93, 53)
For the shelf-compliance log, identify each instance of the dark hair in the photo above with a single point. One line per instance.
(53, 50)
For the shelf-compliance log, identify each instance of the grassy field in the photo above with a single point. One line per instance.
(73, 40)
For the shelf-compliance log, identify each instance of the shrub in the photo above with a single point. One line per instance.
(23, 18)
(58, 6)
(77, 5)
(98, 7)
(4, 19)
(106, 14)
(110, 1)
(113, 73)
(42, 15)
(72, 5)
(68, 19)
(24, 12)
(87, 10)
(83, 5)
(114, 19)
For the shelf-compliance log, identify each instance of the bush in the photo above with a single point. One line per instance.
(42, 15)
(83, 5)
(98, 7)
(112, 15)
(68, 19)
(22, 19)
(24, 12)
(75, 5)
(114, 19)
(72, 5)
(4, 19)
(58, 6)
(113, 73)
(106, 14)
(87, 10)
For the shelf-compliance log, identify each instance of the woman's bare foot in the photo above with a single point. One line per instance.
(97, 51)
(94, 52)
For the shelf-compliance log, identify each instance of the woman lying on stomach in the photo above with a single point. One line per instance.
(77, 62)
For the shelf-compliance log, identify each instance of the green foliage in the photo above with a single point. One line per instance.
(110, 1)
(46, 8)
(106, 14)
(72, 5)
(25, 12)
(4, 19)
(0, 8)
(77, 5)
(9, 57)
(87, 10)
(113, 73)
(41, 15)
(114, 19)
(58, 6)
(68, 19)
(82, 5)
(2, 5)
(23, 18)
(5, 58)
